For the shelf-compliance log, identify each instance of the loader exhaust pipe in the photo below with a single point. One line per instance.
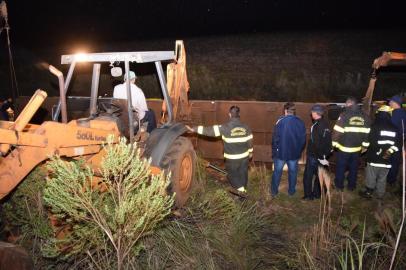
(57, 111)
(62, 95)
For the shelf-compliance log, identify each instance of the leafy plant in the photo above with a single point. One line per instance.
(353, 253)
(111, 217)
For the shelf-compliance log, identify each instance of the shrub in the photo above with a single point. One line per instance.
(25, 218)
(105, 223)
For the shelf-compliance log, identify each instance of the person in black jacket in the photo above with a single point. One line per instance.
(383, 142)
(350, 134)
(318, 150)
(237, 138)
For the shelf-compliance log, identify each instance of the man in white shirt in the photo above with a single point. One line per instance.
(137, 96)
(137, 99)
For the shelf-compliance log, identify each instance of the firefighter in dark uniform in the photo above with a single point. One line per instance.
(237, 138)
(350, 136)
(383, 143)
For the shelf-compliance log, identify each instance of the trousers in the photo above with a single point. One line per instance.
(311, 187)
(150, 118)
(346, 161)
(277, 174)
(237, 172)
(395, 161)
(375, 178)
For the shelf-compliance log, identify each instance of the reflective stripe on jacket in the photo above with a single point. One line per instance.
(351, 130)
(383, 138)
(237, 138)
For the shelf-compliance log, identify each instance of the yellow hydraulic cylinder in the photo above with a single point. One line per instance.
(26, 115)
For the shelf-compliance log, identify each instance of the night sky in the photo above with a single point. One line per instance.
(53, 22)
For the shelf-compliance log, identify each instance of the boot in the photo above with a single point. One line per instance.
(240, 192)
(367, 193)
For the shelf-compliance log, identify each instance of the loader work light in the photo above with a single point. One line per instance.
(80, 57)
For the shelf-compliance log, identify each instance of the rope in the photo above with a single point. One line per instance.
(13, 77)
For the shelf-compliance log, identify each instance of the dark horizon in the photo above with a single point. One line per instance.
(44, 22)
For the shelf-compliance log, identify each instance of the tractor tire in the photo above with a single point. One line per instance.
(14, 257)
(180, 161)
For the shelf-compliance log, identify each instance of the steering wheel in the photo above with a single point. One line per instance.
(110, 108)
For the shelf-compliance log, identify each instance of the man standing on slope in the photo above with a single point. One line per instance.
(350, 135)
(288, 141)
(318, 150)
(383, 143)
(237, 138)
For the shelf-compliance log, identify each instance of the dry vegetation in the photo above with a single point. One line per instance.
(219, 231)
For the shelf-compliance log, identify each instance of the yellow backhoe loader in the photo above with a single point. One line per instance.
(23, 145)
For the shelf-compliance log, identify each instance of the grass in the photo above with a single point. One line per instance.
(218, 231)
(357, 234)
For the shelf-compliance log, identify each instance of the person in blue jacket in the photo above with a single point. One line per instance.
(398, 116)
(288, 141)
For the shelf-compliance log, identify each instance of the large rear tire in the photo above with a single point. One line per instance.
(14, 257)
(180, 161)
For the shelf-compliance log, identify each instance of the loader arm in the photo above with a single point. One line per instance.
(389, 59)
(178, 86)
(51, 138)
(26, 146)
(386, 59)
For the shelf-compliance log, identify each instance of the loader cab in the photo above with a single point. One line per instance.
(120, 63)
(165, 146)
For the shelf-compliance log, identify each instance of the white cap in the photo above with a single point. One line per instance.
(132, 75)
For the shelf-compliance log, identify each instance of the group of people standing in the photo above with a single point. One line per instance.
(288, 142)
(351, 136)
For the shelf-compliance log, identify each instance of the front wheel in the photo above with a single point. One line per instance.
(180, 161)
